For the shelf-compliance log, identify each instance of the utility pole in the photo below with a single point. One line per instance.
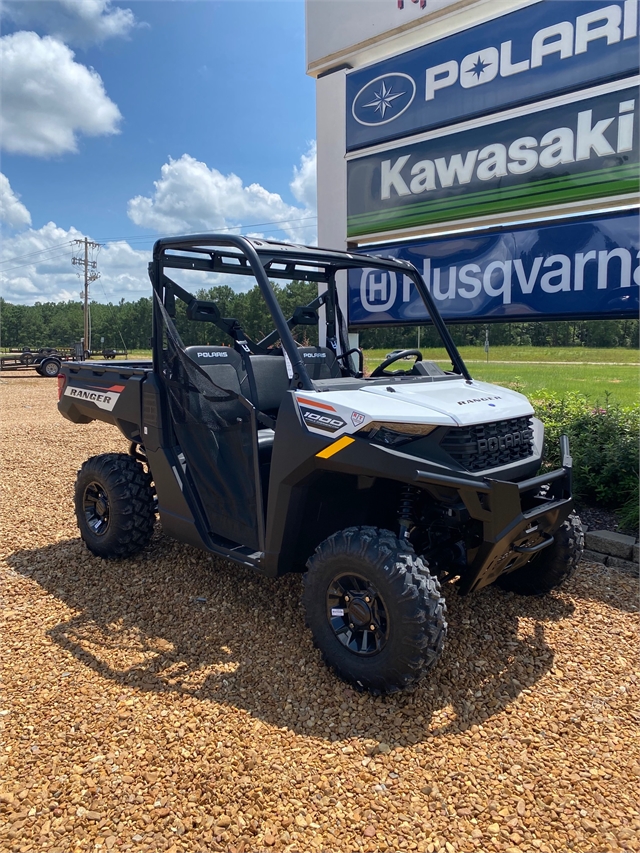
(90, 270)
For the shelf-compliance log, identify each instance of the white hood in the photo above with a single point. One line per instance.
(461, 402)
(441, 403)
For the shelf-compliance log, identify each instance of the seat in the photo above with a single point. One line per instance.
(272, 381)
(222, 365)
(320, 362)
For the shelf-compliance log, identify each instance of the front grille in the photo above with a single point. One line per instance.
(484, 446)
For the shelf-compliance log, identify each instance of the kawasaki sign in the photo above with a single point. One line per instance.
(546, 156)
(545, 49)
(582, 267)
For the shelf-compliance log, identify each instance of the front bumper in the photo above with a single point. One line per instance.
(512, 533)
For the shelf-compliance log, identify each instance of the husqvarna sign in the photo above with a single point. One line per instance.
(544, 49)
(587, 267)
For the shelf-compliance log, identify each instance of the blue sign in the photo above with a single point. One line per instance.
(585, 150)
(545, 49)
(574, 268)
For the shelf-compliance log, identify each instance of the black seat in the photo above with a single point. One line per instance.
(272, 381)
(320, 362)
(223, 365)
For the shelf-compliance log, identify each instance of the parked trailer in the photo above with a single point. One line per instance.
(47, 360)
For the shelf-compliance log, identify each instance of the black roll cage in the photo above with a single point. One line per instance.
(264, 259)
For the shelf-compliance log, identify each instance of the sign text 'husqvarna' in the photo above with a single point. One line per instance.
(580, 267)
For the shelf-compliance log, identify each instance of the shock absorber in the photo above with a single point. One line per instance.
(408, 497)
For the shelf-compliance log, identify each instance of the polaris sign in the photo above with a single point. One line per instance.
(576, 268)
(540, 157)
(545, 49)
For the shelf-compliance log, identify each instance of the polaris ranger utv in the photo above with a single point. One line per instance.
(282, 457)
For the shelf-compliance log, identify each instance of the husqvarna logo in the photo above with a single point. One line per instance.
(384, 99)
(378, 290)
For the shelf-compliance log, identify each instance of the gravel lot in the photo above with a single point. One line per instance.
(176, 702)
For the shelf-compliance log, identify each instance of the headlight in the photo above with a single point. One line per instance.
(392, 434)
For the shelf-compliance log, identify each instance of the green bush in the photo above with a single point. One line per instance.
(604, 447)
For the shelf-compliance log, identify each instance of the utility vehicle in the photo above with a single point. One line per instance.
(283, 457)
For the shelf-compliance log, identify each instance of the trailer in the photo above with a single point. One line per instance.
(47, 360)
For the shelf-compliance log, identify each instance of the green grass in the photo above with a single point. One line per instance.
(592, 372)
(135, 354)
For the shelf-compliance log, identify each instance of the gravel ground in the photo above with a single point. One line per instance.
(176, 703)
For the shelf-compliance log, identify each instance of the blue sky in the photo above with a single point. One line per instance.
(126, 120)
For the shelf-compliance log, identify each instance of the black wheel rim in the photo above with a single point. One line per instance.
(95, 504)
(357, 614)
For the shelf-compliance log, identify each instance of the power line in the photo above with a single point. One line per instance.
(152, 237)
(39, 252)
(35, 263)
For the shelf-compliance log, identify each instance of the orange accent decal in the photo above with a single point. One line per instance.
(338, 445)
(313, 403)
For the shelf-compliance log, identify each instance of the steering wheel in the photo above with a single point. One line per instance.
(381, 368)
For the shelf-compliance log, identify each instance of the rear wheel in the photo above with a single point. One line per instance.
(114, 505)
(375, 612)
(553, 566)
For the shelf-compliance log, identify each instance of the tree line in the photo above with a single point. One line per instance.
(128, 325)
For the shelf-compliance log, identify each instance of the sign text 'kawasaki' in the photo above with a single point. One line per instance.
(587, 149)
(544, 49)
(583, 267)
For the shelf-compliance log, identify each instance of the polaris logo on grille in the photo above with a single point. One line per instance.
(322, 420)
(520, 438)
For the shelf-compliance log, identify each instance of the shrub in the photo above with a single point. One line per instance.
(604, 447)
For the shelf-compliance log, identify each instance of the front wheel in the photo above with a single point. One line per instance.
(375, 612)
(553, 566)
(114, 505)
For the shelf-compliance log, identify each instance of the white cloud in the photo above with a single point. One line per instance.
(191, 197)
(47, 98)
(12, 211)
(304, 185)
(79, 22)
(35, 264)
(36, 267)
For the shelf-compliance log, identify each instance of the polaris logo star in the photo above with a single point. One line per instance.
(383, 99)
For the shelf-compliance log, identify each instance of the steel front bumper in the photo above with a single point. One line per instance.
(518, 519)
